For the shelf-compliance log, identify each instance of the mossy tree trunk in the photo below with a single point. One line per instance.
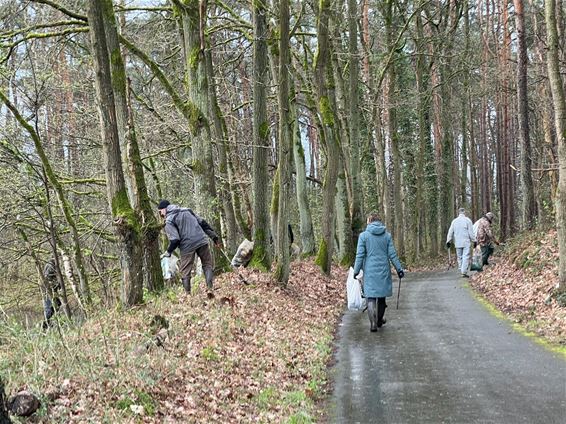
(4, 416)
(225, 173)
(424, 136)
(326, 105)
(344, 195)
(126, 220)
(397, 215)
(192, 18)
(559, 101)
(282, 268)
(261, 256)
(357, 206)
(131, 158)
(308, 246)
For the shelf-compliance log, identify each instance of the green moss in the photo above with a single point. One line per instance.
(118, 77)
(273, 42)
(259, 4)
(326, 111)
(300, 150)
(348, 259)
(194, 58)
(260, 256)
(322, 257)
(264, 130)
(558, 349)
(198, 167)
(121, 209)
(195, 116)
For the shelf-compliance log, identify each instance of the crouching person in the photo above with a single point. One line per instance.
(244, 254)
(188, 231)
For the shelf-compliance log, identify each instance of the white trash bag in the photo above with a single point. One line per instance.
(356, 302)
(169, 267)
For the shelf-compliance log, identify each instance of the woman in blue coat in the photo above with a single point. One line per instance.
(375, 251)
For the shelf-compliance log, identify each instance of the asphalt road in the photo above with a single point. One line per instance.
(442, 358)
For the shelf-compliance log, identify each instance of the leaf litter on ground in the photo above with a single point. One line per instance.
(253, 353)
(522, 282)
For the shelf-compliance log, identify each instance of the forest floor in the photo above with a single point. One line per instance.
(254, 353)
(521, 283)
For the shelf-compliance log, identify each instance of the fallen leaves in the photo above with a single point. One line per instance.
(253, 353)
(520, 284)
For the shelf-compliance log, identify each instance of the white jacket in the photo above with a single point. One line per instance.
(462, 231)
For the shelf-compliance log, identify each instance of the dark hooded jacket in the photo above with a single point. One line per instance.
(186, 230)
(375, 251)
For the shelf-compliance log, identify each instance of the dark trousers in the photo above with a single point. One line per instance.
(51, 304)
(486, 252)
(381, 305)
(188, 259)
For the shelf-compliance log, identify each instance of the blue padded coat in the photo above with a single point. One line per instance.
(375, 251)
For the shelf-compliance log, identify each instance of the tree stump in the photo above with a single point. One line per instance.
(23, 404)
(4, 417)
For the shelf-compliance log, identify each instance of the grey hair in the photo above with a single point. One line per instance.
(461, 210)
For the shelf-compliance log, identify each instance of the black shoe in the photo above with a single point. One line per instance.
(380, 323)
(373, 329)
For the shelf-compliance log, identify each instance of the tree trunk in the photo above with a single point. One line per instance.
(126, 220)
(193, 21)
(261, 255)
(397, 215)
(308, 246)
(4, 416)
(424, 137)
(131, 157)
(324, 82)
(559, 101)
(282, 269)
(529, 208)
(224, 169)
(357, 207)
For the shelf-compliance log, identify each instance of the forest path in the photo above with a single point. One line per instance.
(442, 358)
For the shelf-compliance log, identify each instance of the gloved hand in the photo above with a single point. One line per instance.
(475, 244)
(400, 273)
(448, 245)
(166, 254)
(356, 275)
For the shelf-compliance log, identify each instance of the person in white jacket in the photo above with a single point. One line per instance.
(461, 230)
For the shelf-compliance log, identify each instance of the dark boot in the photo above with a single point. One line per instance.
(209, 276)
(372, 314)
(381, 311)
(186, 284)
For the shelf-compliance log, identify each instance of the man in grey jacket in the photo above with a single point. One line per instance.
(462, 231)
(188, 231)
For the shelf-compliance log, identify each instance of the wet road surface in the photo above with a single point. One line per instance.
(442, 358)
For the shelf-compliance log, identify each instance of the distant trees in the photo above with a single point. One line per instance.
(407, 108)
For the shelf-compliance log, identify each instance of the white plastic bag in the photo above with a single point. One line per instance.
(169, 267)
(356, 302)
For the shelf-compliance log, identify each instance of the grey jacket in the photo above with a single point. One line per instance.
(186, 230)
(462, 231)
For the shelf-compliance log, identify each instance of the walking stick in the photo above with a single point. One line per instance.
(236, 269)
(398, 293)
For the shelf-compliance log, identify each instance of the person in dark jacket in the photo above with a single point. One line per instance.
(374, 253)
(188, 231)
(51, 301)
